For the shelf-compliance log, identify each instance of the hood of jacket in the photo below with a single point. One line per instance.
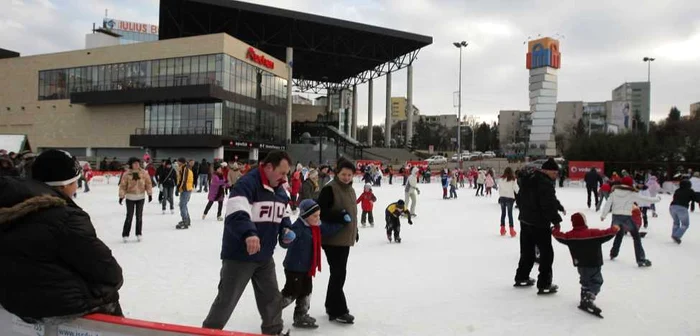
(20, 197)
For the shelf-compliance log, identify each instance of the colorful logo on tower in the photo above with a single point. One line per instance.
(543, 53)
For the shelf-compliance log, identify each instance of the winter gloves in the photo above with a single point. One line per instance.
(288, 236)
(346, 216)
(121, 200)
(150, 198)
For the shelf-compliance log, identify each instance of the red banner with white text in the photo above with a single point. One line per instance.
(578, 169)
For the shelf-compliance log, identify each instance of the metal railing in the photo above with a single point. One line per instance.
(179, 131)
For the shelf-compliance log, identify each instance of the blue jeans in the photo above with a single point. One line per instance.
(591, 279)
(203, 182)
(506, 206)
(184, 199)
(681, 220)
(626, 224)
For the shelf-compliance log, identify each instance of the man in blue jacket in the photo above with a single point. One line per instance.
(256, 217)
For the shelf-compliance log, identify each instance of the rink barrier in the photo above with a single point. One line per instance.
(103, 325)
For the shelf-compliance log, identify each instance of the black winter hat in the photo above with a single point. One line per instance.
(132, 160)
(182, 160)
(401, 203)
(56, 168)
(550, 164)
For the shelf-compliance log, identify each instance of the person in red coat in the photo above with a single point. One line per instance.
(296, 186)
(367, 200)
(585, 247)
(604, 193)
(87, 175)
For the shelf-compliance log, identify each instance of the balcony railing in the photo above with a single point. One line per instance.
(179, 131)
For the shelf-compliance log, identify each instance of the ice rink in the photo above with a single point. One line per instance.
(452, 274)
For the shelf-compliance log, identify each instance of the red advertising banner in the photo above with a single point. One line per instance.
(578, 169)
(419, 164)
(363, 163)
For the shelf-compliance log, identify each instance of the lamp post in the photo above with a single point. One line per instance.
(648, 60)
(460, 46)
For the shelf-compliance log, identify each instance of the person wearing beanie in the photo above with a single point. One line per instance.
(216, 192)
(411, 190)
(367, 200)
(185, 186)
(539, 210)
(303, 259)
(310, 188)
(61, 254)
(392, 215)
(233, 174)
(621, 202)
(134, 184)
(167, 178)
(586, 252)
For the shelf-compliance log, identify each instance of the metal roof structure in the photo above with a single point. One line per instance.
(328, 53)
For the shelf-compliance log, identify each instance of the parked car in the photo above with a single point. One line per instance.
(476, 155)
(489, 155)
(457, 157)
(436, 159)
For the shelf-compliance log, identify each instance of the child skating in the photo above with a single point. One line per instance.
(367, 200)
(489, 182)
(216, 192)
(587, 254)
(453, 185)
(304, 259)
(393, 214)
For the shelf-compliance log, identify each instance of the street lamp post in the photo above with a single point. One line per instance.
(648, 60)
(460, 45)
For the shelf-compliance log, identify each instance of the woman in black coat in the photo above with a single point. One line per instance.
(53, 263)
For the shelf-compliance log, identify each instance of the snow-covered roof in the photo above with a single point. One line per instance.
(12, 142)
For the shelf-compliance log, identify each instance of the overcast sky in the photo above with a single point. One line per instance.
(603, 45)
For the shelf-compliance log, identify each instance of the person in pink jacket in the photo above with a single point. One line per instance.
(216, 192)
(654, 188)
(489, 184)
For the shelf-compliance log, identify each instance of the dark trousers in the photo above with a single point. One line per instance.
(393, 225)
(405, 178)
(626, 224)
(531, 237)
(479, 187)
(645, 219)
(591, 279)
(593, 190)
(235, 276)
(692, 203)
(218, 211)
(298, 288)
(337, 257)
(391, 179)
(506, 208)
(366, 214)
(453, 191)
(167, 196)
(131, 207)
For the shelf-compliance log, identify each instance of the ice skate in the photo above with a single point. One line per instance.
(524, 283)
(371, 224)
(551, 289)
(344, 319)
(172, 211)
(512, 232)
(204, 216)
(182, 225)
(398, 240)
(364, 225)
(125, 239)
(164, 211)
(588, 305)
(305, 322)
(503, 230)
(220, 219)
(138, 237)
(644, 263)
(677, 240)
(388, 236)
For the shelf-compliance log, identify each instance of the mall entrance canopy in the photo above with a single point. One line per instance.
(325, 54)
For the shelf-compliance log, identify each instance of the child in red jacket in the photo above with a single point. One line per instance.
(367, 199)
(585, 247)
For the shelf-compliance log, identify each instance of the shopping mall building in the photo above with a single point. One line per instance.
(211, 86)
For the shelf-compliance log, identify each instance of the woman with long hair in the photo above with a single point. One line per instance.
(134, 186)
(507, 188)
(217, 189)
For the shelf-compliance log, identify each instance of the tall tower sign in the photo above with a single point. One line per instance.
(543, 60)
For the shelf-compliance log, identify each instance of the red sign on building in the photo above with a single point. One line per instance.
(578, 169)
(260, 59)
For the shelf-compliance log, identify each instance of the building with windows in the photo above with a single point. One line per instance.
(637, 95)
(398, 109)
(447, 120)
(220, 99)
(695, 109)
(514, 126)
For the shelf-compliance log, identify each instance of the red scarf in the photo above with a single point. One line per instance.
(316, 252)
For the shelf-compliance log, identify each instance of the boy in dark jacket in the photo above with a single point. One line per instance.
(585, 247)
(682, 198)
(367, 200)
(303, 259)
(392, 213)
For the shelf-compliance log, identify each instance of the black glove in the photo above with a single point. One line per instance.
(357, 237)
(150, 198)
(121, 200)
(410, 222)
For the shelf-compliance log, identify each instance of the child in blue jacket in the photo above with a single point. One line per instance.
(303, 259)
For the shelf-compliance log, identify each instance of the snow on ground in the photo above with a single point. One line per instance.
(452, 275)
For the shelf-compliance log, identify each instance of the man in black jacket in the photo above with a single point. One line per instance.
(593, 182)
(539, 208)
(53, 263)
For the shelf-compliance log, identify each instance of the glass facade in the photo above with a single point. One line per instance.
(256, 112)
